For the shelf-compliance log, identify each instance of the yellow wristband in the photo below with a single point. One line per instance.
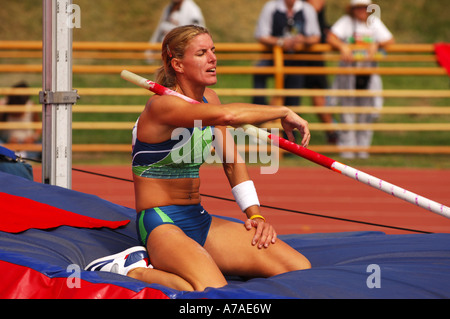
(258, 216)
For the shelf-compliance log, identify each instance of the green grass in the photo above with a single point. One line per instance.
(412, 21)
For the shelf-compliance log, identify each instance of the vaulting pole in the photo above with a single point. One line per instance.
(310, 155)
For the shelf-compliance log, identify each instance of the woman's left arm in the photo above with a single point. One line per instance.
(243, 188)
(236, 172)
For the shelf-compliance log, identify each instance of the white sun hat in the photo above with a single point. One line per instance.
(356, 3)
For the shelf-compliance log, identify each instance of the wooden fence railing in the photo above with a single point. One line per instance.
(25, 57)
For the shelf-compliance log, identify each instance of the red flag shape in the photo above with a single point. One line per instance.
(442, 51)
(18, 214)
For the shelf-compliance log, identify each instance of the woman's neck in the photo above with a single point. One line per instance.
(194, 92)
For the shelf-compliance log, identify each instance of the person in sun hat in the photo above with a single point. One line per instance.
(358, 27)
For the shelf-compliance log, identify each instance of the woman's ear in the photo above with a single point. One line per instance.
(177, 65)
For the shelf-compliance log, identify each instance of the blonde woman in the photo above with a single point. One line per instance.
(188, 248)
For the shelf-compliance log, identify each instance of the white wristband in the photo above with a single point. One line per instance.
(245, 195)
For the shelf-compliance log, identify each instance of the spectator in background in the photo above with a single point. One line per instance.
(320, 81)
(20, 136)
(286, 23)
(175, 14)
(355, 28)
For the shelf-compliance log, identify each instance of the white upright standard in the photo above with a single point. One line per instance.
(57, 97)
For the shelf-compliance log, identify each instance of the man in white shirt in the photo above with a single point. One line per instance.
(286, 23)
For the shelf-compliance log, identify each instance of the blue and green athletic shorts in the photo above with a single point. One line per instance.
(193, 220)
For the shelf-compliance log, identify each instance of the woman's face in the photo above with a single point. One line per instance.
(199, 62)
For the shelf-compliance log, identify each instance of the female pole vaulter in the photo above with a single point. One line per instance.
(188, 248)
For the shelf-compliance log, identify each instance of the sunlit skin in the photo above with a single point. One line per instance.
(251, 249)
(200, 69)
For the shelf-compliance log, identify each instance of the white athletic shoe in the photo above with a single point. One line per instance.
(121, 263)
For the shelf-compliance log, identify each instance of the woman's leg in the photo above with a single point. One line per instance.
(156, 276)
(133, 262)
(171, 251)
(229, 244)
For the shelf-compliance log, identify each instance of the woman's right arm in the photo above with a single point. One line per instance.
(170, 111)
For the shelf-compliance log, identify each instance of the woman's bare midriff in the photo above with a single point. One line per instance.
(153, 192)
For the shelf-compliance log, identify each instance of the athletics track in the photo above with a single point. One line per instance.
(312, 190)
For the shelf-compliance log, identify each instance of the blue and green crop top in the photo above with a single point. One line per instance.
(179, 157)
